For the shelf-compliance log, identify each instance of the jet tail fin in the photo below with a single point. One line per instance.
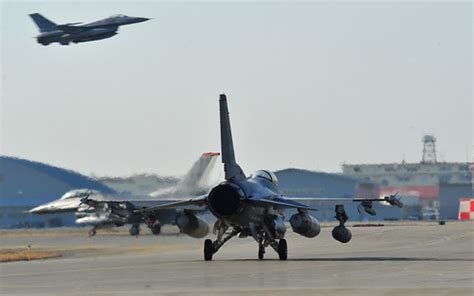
(231, 168)
(43, 23)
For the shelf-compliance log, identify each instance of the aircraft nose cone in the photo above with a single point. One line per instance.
(142, 19)
(37, 210)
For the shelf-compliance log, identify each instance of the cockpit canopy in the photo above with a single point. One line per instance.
(266, 175)
(118, 16)
(77, 193)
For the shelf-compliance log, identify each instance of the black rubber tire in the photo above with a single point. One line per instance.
(261, 252)
(156, 229)
(282, 249)
(134, 231)
(208, 250)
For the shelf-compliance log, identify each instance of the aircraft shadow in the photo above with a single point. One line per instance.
(364, 259)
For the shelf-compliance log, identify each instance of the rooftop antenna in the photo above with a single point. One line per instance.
(429, 149)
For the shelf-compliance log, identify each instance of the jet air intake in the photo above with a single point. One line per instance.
(192, 225)
(305, 225)
(224, 200)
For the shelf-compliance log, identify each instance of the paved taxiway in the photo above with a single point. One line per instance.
(423, 259)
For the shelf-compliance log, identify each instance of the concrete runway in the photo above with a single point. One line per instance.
(422, 259)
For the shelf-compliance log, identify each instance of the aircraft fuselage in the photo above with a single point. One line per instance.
(64, 34)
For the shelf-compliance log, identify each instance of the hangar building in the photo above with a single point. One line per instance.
(304, 183)
(25, 184)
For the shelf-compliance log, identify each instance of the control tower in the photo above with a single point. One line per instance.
(429, 149)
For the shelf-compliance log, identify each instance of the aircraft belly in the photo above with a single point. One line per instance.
(249, 214)
(94, 34)
(134, 219)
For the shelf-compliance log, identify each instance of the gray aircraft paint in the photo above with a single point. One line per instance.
(73, 32)
(254, 206)
(115, 210)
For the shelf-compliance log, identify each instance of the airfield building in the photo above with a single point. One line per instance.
(304, 183)
(427, 187)
(25, 184)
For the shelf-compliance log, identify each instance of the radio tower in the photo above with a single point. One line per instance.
(429, 149)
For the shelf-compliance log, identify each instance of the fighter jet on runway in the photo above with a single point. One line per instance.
(254, 206)
(100, 210)
(73, 32)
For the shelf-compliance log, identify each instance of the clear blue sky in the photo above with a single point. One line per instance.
(310, 85)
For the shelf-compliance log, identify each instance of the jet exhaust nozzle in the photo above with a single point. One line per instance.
(224, 200)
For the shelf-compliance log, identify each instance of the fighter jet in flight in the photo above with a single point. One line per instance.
(101, 210)
(76, 33)
(254, 206)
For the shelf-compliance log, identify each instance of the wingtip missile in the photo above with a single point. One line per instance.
(393, 200)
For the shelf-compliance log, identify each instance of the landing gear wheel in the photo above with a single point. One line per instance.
(261, 252)
(156, 229)
(134, 230)
(208, 250)
(92, 232)
(282, 249)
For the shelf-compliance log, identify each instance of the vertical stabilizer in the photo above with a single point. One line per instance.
(231, 168)
(43, 23)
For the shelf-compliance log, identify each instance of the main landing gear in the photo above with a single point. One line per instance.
(263, 236)
(269, 235)
(153, 224)
(92, 232)
(134, 230)
(281, 247)
(261, 252)
(211, 247)
(156, 228)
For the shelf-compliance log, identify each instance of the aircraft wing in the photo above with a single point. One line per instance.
(366, 204)
(390, 199)
(279, 203)
(70, 28)
(148, 203)
(190, 203)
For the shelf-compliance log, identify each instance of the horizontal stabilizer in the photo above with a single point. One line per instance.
(279, 203)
